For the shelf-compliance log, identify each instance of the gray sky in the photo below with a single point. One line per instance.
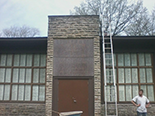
(34, 13)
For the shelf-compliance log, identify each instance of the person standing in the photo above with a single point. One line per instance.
(142, 103)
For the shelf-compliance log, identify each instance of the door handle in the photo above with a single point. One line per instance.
(74, 100)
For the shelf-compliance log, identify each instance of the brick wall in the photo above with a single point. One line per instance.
(22, 109)
(74, 27)
(129, 110)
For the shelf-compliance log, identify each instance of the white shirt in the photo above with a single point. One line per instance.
(141, 100)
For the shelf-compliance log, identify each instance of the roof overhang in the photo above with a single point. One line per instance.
(23, 45)
(134, 43)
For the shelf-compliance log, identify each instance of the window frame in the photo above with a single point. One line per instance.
(11, 83)
(138, 74)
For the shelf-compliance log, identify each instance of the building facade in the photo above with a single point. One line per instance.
(64, 71)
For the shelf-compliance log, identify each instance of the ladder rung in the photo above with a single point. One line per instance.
(107, 47)
(112, 95)
(110, 102)
(108, 58)
(108, 64)
(111, 88)
(112, 108)
(108, 53)
(111, 115)
(107, 38)
(106, 43)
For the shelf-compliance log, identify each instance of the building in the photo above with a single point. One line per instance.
(64, 71)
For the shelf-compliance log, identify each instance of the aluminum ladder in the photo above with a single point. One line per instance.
(110, 93)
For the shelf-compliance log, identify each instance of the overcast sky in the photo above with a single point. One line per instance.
(34, 13)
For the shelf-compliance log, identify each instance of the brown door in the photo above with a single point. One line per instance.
(73, 96)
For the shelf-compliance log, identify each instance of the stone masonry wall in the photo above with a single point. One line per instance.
(130, 110)
(22, 109)
(97, 77)
(49, 76)
(74, 27)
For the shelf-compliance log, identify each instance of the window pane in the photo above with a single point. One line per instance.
(128, 93)
(22, 75)
(1, 91)
(43, 60)
(127, 59)
(36, 59)
(121, 93)
(21, 92)
(7, 92)
(148, 59)
(14, 92)
(3, 60)
(120, 60)
(150, 92)
(15, 75)
(35, 93)
(135, 90)
(141, 60)
(28, 75)
(128, 75)
(109, 74)
(29, 60)
(22, 59)
(144, 89)
(121, 75)
(133, 60)
(16, 60)
(27, 92)
(35, 75)
(115, 76)
(2, 74)
(142, 75)
(110, 92)
(149, 75)
(134, 75)
(9, 60)
(8, 75)
(42, 75)
(108, 59)
(42, 93)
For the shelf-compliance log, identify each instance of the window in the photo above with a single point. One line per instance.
(22, 77)
(133, 72)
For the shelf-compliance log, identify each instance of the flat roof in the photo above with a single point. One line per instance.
(39, 44)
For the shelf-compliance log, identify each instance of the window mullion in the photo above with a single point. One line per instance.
(32, 76)
(11, 76)
(152, 59)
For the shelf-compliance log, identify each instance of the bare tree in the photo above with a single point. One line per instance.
(140, 25)
(152, 23)
(143, 24)
(23, 31)
(0, 34)
(121, 12)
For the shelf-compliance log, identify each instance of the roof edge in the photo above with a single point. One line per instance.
(23, 37)
(73, 15)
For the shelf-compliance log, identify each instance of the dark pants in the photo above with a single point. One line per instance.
(141, 114)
